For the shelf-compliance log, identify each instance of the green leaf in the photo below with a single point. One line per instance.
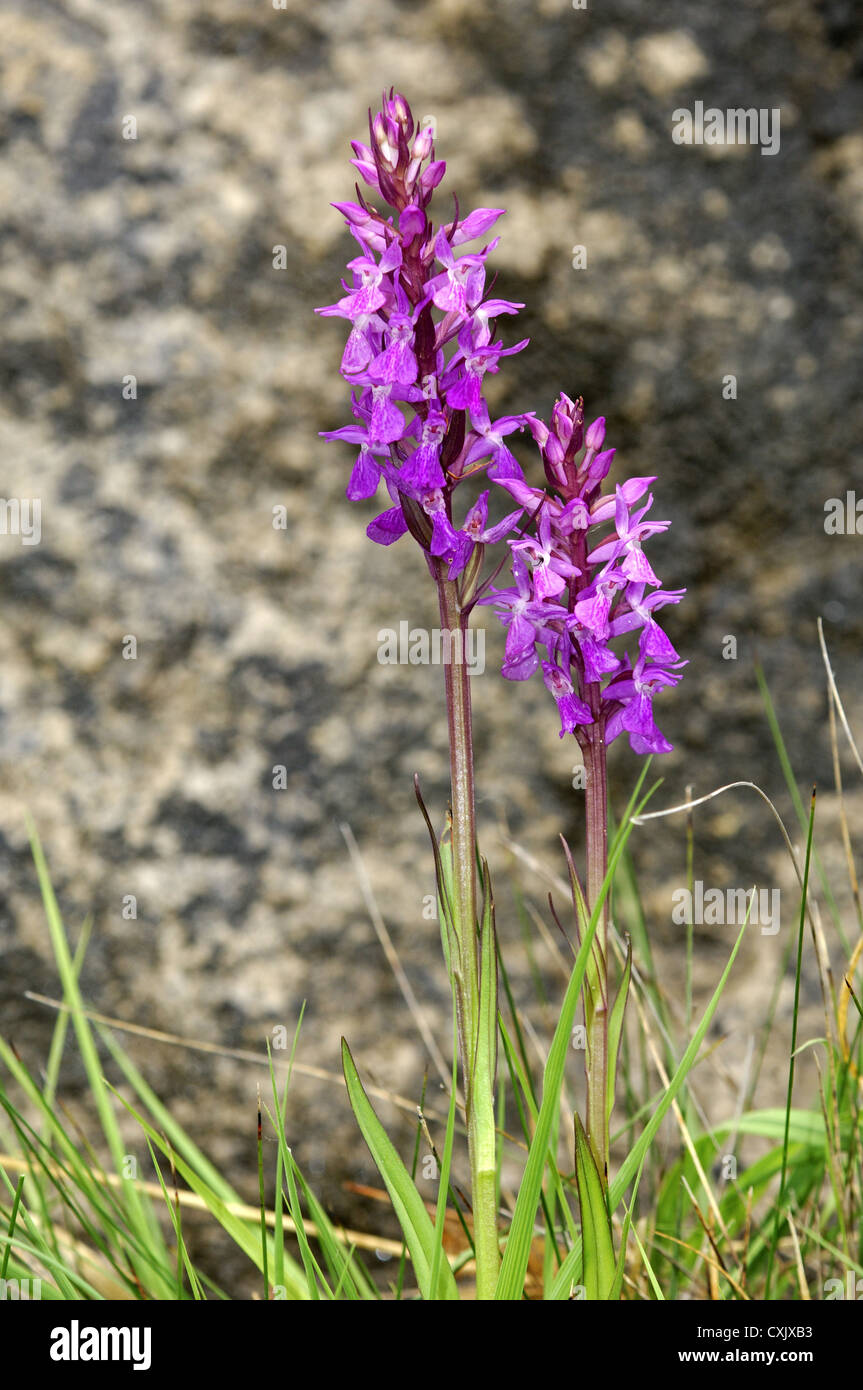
(598, 1264)
(444, 1185)
(415, 1221)
(632, 1162)
(615, 1027)
(442, 851)
(486, 1058)
(805, 1126)
(654, 1282)
(627, 1223)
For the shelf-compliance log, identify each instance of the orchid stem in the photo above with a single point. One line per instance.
(478, 1078)
(596, 976)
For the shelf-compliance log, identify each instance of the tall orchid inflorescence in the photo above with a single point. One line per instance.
(422, 339)
(423, 336)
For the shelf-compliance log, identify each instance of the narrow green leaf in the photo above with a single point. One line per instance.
(598, 1263)
(654, 1282)
(13, 1217)
(415, 1221)
(615, 1027)
(627, 1222)
(443, 1186)
(137, 1207)
(486, 1058)
(310, 1264)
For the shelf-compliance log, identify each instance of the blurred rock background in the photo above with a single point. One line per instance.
(152, 257)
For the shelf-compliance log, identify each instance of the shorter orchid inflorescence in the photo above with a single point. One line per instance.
(578, 586)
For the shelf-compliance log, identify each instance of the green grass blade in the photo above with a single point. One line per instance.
(135, 1205)
(446, 1162)
(615, 1028)
(415, 1221)
(244, 1234)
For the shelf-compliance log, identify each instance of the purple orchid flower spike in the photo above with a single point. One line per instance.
(590, 590)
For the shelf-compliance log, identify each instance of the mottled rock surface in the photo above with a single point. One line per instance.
(152, 257)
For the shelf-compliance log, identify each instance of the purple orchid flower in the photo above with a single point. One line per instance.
(458, 289)
(420, 349)
(527, 621)
(488, 443)
(631, 531)
(572, 710)
(458, 546)
(635, 691)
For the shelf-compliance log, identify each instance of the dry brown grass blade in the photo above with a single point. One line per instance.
(391, 954)
(193, 1202)
(663, 1235)
(831, 680)
(707, 1227)
(843, 817)
(846, 993)
(238, 1054)
(805, 1295)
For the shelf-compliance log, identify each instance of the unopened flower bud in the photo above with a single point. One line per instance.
(595, 433)
(538, 428)
(386, 142)
(599, 467)
(423, 142)
(561, 422)
(432, 175)
(554, 451)
(553, 457)
(412, 221)
(397, 109)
